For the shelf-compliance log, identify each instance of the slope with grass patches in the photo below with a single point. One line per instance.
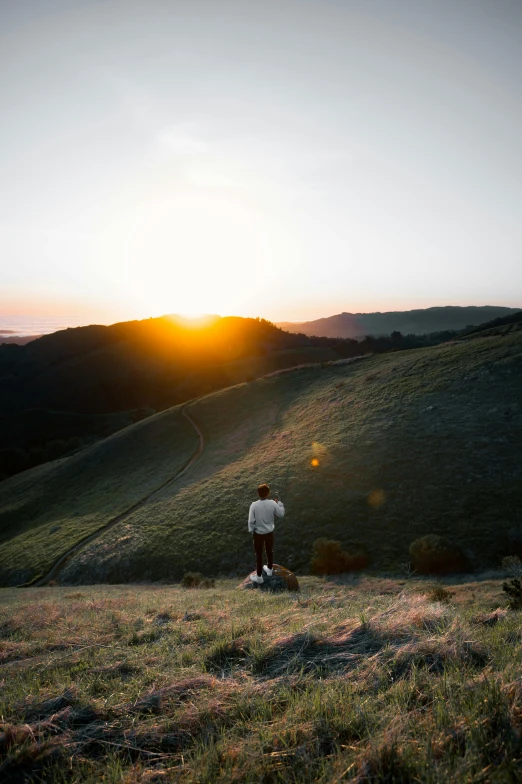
(47, 511)
(407, 444)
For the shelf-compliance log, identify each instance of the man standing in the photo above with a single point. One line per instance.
(261, 526)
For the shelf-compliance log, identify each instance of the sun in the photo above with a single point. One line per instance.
(192, 319)
(190, 315)
(190, 251)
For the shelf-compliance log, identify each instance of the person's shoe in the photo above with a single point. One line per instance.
(256, 579)
(268, 571)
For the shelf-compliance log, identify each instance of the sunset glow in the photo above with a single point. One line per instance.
(169, 172)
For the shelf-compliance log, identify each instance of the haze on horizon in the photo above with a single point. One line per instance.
(288, 159)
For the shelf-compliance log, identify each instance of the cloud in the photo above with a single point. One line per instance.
(177, 141)
(209, 177)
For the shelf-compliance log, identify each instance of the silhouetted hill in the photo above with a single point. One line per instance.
(155, 363)
(418, 322)
(67, 389)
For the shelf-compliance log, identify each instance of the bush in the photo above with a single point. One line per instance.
(329, 558)
(432, 554)
(439, 594)
(513, 587)
(196, 580)
(191, 579)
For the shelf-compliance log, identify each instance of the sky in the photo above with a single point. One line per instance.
(289, 159)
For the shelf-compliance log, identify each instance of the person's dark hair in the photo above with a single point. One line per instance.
(263, 491)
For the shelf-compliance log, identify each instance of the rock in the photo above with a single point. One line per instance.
(282, 580)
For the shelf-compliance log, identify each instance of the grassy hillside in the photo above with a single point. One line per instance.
(99, 370)
(30, 438)
(77, 385)
(47, 509)
(408, 443)
(498, 326)
(367, 681)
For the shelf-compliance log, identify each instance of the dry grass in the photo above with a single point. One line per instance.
(371, 683)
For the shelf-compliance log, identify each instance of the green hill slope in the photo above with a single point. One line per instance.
(498, 326)
(48, 509)
(75, 386)
(408, 443)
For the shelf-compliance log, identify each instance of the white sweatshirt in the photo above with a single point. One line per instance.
(262, 513)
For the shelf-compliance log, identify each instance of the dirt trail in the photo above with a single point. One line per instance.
(55, 569)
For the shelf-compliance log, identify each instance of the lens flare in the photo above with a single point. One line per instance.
(376, 498)
(314, 462)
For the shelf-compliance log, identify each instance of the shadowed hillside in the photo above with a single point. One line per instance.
(73, 387)
(408, 443)
(69, 389)
(156, 362)
(418, 322)
(498, 326)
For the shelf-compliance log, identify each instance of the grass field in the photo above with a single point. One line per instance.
(45, 510)
(407, 443)
(364, 679)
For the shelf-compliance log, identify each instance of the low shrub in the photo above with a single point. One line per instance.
(439, 594)
(513, 587)
(329, 558)
(191, 579)
(432, 554)
(196, 580)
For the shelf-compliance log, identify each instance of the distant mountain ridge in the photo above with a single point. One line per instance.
(20, 340)
(420, 322)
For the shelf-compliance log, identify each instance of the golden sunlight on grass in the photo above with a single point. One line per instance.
(146, 683)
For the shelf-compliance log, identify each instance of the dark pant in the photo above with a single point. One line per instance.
(263, 541)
